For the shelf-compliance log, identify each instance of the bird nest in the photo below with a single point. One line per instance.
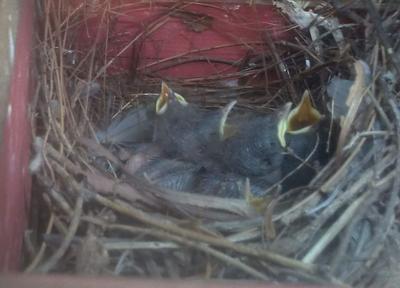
(93, 215)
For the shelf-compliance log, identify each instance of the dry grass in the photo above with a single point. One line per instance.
(339, 229)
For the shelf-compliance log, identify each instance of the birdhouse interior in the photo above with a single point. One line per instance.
(249, 140)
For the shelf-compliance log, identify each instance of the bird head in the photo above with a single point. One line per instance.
(299, 120)
(168, 97)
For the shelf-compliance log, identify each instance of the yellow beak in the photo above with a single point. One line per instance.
(166, 96)
(162, 101)
(299, 120)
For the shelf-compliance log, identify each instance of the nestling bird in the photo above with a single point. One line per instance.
(134, 126)
(149, 161)
(232, 185)
(249, 146)
(143, 155)
(182, 129)
(241, 155)
(309, 140)
(220, 184)
(272, 146)
(171, 174)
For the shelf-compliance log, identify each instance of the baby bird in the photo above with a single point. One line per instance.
(271, 147)
(171, 174)
(182, 129)
(309, 140)
(248, 145)
(134, 126)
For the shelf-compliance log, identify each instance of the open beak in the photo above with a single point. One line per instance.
(166, 96)
(299, 120)
(162, 101)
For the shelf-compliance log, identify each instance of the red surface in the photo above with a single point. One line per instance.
(14, 151)
(237, 29)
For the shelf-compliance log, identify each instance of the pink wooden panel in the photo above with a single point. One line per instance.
(15, 150)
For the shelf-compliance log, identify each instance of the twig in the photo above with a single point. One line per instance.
(325, 203)
(136, 245)
(366, 134)
(341, 251)
(282, 70)
(356, 187)
(194, 244)
(195, 51)
(301, 48)
(354, 100)
(56, 155)
(219, 242)
(294, 212)
(236, 225)
(73, 227)
(246, 235)
(342, 169)
(377, 243)
(143, 217)
(346, 12)
(342, 199)
(150, 28)
(186, 60)
(327, 238)
(120, 264)
(382, 34)
(40, 254)
(63, 204)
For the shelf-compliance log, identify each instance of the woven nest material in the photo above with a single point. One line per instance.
(342, 228)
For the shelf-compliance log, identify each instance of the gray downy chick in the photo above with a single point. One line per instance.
(249, 146)
(171, 174)
(309, 140)
(134, 126)
(183, 130)
(143, 155)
